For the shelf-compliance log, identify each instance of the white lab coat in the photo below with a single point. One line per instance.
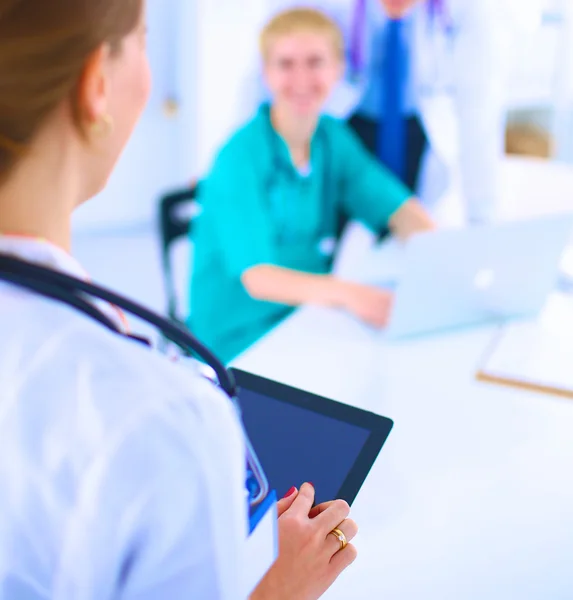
(461, 80)
(121, 473)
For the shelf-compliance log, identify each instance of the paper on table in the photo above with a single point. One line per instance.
(538, 354)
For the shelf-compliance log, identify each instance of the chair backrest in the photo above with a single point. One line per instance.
(176, 213)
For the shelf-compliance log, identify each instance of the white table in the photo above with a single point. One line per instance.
(472, 496)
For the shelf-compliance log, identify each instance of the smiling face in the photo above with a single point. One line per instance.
(301, 70)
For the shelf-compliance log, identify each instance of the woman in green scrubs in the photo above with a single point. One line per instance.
(274, 201)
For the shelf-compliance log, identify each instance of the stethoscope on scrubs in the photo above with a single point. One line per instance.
(76, 293)
(331, 224)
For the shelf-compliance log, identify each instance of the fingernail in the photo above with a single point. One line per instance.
(290, 492)
(310, 483)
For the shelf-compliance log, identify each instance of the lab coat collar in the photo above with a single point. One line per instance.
(43, 252)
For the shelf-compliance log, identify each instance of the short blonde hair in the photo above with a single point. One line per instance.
(299, 20)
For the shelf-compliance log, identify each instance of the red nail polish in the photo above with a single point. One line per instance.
(290, 492)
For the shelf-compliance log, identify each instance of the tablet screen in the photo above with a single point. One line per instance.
(297, 444)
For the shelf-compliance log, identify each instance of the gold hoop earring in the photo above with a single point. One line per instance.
(103, 127)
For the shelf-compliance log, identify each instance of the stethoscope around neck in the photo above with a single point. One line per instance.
(77, 294)
(331, 223)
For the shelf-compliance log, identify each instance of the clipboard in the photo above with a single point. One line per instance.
(535, 356)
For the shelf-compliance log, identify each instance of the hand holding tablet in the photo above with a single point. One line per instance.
(310, 539)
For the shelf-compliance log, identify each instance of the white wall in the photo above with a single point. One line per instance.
(227, 50)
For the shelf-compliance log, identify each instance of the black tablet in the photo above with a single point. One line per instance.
(301, 437)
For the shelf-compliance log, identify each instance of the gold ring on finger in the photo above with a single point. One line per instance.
(339, 535)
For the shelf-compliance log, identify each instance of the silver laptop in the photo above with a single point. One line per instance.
(471, 276)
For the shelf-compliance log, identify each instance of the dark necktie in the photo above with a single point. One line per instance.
(392, 135)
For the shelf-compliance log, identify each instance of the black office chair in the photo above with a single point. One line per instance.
(176, 213)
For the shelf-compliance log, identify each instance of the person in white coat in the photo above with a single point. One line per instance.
(425, 90)
(122, 474)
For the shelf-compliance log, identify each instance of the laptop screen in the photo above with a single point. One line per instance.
(297, 444)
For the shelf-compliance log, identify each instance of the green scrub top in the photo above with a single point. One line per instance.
(258, 208)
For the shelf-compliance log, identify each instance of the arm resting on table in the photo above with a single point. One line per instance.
(276, 284)
(293, 288)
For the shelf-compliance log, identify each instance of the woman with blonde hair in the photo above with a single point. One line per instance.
(278, 192)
